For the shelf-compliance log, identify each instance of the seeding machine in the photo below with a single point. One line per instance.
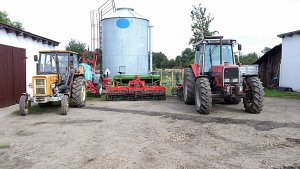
(136, 87)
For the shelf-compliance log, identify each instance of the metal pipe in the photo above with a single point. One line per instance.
(150, 46)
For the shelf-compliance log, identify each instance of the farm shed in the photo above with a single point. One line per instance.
(269, 67)
(290, 61)
(17, 48)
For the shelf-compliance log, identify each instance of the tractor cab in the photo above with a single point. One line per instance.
(214, 51)
(55, 62)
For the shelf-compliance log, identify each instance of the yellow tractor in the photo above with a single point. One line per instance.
(59, 79)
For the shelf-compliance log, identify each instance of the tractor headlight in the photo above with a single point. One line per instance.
(226, 80)
(53, 86)
(235, 80)
(30, 85)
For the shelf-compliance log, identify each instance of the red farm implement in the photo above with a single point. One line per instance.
(136, 89)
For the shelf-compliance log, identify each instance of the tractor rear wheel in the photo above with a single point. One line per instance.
(64, 105)
(189, 86)
(24, 105)
(203, 96)
(78, 92)
(253, 102)
(98, 90)
(232, 100)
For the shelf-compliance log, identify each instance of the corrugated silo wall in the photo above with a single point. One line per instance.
(125, 43)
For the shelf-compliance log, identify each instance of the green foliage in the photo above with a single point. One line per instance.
(248, 59)
(276, 93)
(4, 19)
(265, 50)
(160, 60)
(200, 26)
(76, 46)
(3, 146)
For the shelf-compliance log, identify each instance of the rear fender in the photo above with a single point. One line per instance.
(194, 69)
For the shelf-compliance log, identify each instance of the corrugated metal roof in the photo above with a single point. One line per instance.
(124, 13)
(289, 34)
(23, 33)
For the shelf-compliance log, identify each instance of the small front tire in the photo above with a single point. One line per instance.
(65, 105)
(24, 105)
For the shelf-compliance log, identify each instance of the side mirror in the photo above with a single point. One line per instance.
(36, 58)
(239, 47)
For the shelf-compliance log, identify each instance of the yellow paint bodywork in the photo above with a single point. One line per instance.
(50, 79)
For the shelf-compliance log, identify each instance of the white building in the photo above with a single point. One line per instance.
(290, 60)
(12, 38)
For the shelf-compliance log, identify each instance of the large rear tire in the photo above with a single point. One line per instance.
(189, 86)
(203, 96)
(78, 92)
(24, 105)
(253, 102)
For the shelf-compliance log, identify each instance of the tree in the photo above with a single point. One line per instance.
(76, 46)
(187, 57)
(200, 26)
(160, 60)
(265, 50)
(249, 58)
(4, 19)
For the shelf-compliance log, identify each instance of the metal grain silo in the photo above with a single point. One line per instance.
(125, 42)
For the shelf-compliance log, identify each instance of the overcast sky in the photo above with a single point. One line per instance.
(253, 23)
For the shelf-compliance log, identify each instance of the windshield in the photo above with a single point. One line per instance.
(48, 63)
(212, 55)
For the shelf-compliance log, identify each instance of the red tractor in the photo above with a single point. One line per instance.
(215, 75)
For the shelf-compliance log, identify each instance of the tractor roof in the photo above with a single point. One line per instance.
(57, 51)
(216, 40)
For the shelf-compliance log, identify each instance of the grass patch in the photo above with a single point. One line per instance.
(3, 146)
(276, 93)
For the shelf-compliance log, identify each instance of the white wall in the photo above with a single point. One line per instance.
(32, 48)
(290, 63)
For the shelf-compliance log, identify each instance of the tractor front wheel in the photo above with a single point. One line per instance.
(203, 96)
(78, 92)
(253, 102)
(189, 86)
(65, 105)
(24, 105)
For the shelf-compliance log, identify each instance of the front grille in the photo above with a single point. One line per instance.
(40, 86)
(231, 75)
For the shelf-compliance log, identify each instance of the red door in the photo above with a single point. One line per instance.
(12, 74)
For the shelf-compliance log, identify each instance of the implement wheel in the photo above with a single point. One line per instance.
(99, 90)
(64, 105)
(203, 96)
(24, 105)
(189, 86)
(78, 92)
(253, 102)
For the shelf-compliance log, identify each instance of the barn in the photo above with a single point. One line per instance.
(17, 48)
(269, 67)
(290, 61)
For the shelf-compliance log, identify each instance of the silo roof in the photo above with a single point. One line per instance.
(124, 13)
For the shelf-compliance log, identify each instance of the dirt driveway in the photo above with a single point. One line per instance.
(153, 134)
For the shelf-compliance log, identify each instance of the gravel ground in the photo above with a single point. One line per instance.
(152, 134)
